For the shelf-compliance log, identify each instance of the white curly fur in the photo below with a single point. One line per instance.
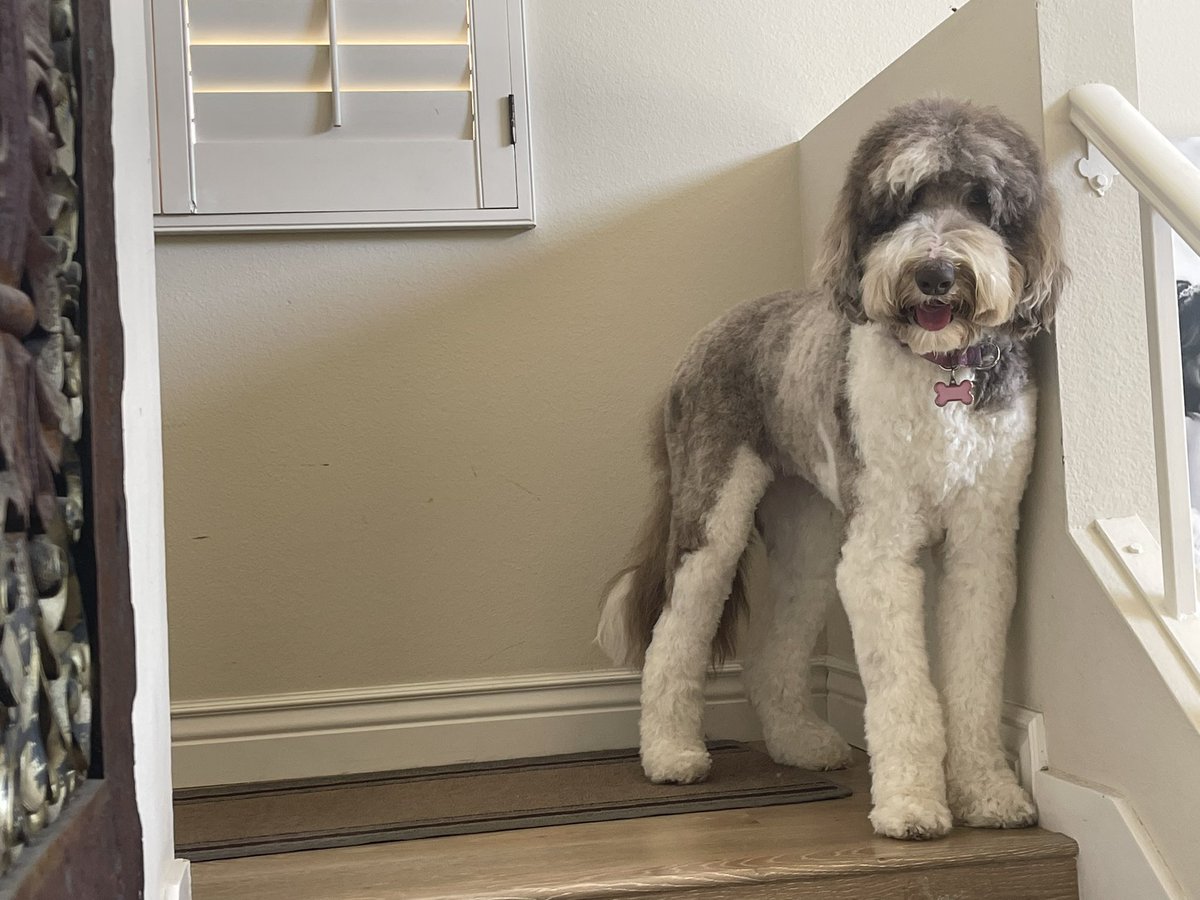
(928, 471)
(673, 676)
(612, 636)
(950, 235)
(791, 408)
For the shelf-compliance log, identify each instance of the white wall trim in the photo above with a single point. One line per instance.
(317, 733)
(178, 884)
(1172, 645)
(1117, 857)
(390, 727)
(141, 415)
(314, 733)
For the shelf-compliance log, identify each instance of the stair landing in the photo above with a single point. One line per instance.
(823, 849)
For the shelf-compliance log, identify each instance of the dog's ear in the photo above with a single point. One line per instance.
(837, 268)
(1045, 271)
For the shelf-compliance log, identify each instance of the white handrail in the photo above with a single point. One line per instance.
(1139, 151)
(1169, 186)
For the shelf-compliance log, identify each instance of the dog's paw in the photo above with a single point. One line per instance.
(674, 764)
(911, 817)
(808, 743)
(991, 802)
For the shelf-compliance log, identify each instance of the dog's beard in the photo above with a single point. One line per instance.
(986, 285)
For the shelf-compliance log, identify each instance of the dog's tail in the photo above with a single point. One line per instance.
(636, 597)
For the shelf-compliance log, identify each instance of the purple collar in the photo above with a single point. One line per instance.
(983, 355)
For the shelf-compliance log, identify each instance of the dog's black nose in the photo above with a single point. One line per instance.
(934, 277)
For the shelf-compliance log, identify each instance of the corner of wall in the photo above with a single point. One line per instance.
(143, 441)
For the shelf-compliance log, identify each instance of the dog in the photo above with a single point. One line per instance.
(900, 391)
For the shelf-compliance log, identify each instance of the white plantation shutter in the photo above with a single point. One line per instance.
(399, 111)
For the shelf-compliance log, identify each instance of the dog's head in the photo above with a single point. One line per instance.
(945, 229)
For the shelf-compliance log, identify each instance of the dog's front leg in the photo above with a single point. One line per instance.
(882, 588)
(977, 593)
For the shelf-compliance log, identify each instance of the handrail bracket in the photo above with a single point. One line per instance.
(1095, 167)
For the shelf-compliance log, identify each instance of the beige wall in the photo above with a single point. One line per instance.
(413, 457)
(1168, 64)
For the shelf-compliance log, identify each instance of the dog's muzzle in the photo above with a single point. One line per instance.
(934, 277)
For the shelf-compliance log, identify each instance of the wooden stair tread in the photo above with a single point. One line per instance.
(731, 853)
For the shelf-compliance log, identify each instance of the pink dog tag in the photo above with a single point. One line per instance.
(962, 392)
(962, 365)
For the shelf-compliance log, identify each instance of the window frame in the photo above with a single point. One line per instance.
(174, 169)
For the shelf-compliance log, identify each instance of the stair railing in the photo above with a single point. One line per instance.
(1168, 187)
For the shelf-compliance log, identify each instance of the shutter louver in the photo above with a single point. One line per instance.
(418, 98)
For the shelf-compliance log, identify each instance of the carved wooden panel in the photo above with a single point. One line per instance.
(45, 652)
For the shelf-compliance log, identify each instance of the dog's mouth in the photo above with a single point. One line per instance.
(932, 316)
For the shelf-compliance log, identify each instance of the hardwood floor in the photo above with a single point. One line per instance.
(823, 849)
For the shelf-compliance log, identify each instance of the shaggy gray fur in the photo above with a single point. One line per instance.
(770, 373)
(977, 148)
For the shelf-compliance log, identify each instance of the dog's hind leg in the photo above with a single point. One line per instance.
(708, 544)
(802, 533)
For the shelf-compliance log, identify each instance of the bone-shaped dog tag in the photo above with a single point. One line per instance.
(962, 392)
(961, 388)
(962, 366)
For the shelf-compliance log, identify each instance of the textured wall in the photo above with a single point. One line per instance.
(1168, 84)
(1167, 69)
(1078, 660)
(411, 457)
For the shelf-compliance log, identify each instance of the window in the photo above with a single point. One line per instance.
(309, 114)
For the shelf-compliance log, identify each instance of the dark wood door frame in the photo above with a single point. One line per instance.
(94, 851)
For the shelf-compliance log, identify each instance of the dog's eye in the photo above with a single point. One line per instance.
(977, 199)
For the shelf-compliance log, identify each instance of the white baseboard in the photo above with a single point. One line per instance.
(317, 733)
(178, 881)
(1117, 858)
(376, 729)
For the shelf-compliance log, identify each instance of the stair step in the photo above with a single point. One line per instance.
(823, 849)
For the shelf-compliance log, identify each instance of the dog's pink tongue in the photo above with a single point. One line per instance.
(934, 316)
